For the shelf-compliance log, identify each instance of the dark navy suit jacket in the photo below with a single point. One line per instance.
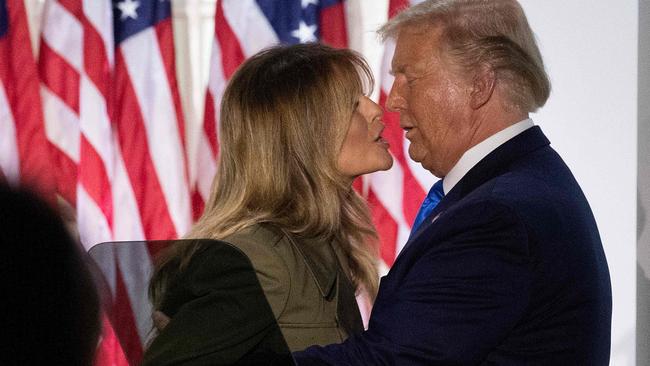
(510, 272)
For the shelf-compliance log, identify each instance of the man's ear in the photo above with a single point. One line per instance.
(482, 86)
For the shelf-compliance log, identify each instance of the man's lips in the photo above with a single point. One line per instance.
(408, 132)
(406, 127)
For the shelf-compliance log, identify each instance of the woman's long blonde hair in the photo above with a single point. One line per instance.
(284, 116)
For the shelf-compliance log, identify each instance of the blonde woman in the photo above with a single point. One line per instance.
(296, 129)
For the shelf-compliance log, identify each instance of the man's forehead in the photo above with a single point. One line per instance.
(419, 29)
(414, 45)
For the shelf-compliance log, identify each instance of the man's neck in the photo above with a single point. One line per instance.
(480, 150)
(489, 123)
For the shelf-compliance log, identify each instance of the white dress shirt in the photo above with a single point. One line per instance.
(472, 156)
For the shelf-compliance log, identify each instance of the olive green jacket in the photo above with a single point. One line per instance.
(310, 297)
(303, 281)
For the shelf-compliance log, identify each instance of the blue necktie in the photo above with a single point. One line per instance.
(430, 202)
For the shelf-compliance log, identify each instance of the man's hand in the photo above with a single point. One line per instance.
(160, 320)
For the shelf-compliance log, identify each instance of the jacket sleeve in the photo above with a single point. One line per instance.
(224, 318)
(464, 290)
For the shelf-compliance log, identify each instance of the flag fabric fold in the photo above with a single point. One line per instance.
(395, 195)
(24, 148)
(113, 116)
(242, 28)
(98, 119)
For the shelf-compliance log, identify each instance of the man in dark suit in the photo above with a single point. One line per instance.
(508, 268)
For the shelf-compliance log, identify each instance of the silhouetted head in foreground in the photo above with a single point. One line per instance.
(50, 308)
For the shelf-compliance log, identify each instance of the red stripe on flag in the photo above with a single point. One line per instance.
(66, 175)
(165, 36)
(164, 33)
(156, 220)
(386, 229)
(357, 185)
(61, 78)
(96, 63)
(74, 7)
(93, 177)
(109, 350)
(232, 54)
(210, 124)
(395, 6)
(124, 323)
(333, 30)
(413, 194)
(19, 75)
(197, 204)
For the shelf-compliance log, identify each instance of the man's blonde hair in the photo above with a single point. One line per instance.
(493, 33)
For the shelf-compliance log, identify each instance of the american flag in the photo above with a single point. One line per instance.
(395, 195)
(24, 149)
(244, 27)
(111, 134)
(112, 111)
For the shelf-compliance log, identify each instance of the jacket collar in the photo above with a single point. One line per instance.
(494, 164)
(321, 261)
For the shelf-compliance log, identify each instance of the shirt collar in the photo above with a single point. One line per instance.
(472, 156)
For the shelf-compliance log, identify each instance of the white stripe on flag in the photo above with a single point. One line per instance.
(217, 81)
(157, 107)
(250, 25)
(91, 223)
(206, 167)
(9, 163)
(206, 164)
(127, 224)
(94, 122)
(386, 77)
(63, 33)
(61, 124)
(136, 267)
(389, 190)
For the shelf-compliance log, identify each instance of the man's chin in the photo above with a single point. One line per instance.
(418, 158)
(414, 155)
(428, 167)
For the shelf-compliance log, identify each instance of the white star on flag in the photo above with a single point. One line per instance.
(306, 3)
(128, 9)
(305, 33)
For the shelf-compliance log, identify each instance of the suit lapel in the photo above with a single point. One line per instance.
(489, 167)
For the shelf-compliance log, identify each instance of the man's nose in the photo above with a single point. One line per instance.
(396, 101)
